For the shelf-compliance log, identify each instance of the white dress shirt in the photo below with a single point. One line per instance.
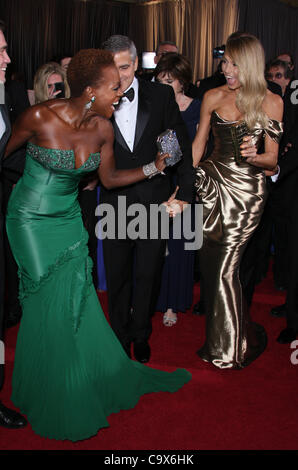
(274, 178)
(126, 115)
(2, 125)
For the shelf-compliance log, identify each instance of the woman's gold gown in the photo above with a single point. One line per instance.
(233, 194)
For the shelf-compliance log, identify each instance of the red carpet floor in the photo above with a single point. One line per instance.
(254, 408)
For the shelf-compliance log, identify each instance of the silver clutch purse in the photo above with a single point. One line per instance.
(167, 142)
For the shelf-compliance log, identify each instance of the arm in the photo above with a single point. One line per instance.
(201, 138)
(111, 177)
(267, 160)
(184, 169)
(23, 130)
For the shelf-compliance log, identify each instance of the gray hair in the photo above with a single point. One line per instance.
(119, 43)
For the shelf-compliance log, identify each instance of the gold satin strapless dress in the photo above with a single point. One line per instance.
(233, 193)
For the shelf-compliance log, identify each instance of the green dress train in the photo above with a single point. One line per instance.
(70, 371)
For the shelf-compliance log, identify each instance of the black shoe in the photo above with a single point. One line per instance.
(287, 336)
(279, 311)
(198, 308)
(10, 418)
(141, 351)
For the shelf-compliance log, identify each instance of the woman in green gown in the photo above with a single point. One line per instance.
(70, 371)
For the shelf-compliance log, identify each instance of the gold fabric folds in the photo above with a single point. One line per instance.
(233, 195)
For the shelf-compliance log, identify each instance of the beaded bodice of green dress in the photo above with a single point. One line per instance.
(57, 159)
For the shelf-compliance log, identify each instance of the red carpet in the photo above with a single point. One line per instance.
(255, 408)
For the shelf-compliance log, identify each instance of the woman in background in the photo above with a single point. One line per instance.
(46, 79)
(231, 183)
(178, 272)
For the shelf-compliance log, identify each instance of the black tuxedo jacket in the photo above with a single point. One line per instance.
(288, 164)
(6, 135)
(13, 166)
(157, 111)
(3, 142)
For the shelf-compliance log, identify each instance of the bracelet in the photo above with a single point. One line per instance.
(150, 170)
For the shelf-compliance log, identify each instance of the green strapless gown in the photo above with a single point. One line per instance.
(70, 371)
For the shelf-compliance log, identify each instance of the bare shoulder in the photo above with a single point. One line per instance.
(273, 106)
(103, 127)
(33, 116)
(40, 111)
(213, 97)
(215, 93)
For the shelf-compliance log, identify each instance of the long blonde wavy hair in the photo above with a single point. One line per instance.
(248, 54)
(41, 81)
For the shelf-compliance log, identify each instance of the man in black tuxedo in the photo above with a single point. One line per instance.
(133, 267)
(279, 72)
(16, 100)
(8, 418)
(288, 178)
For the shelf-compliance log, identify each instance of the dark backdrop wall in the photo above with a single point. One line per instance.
(38, 30)
(274, 23)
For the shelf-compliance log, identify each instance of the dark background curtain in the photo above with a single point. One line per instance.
(38, 30)
(196, 26)
(274, 23)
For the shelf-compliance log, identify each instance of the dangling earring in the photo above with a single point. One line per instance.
(89, 104)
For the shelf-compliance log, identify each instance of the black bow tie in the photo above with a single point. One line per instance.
(129, 94)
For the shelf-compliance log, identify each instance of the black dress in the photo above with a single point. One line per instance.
(178, 270)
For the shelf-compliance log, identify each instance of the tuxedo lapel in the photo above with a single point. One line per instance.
(118, 136)
(5, 137)
(142, 116)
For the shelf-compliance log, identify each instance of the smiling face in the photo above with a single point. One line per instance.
(108, 93)
(4, 59)
(231, 73)
(126, 68)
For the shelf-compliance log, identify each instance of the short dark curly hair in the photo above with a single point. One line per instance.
(85, 69)
(178, 66)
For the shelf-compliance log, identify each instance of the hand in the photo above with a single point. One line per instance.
(249, 150)
(53, 94)
(176, 207)
(160, 161)
(91, 185)
(272, 172)
(171, 198)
